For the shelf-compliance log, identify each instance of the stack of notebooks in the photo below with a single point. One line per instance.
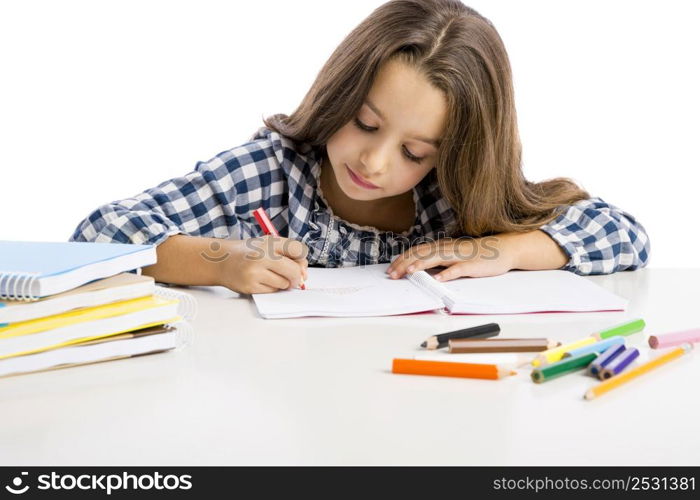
(69, 303)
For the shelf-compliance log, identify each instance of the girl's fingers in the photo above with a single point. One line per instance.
(423, 264)
(397, 268)
(304, 268)
(293, 249)
(260, 288)
(274, 280)
(404, 260)
(471, 269)
(291, 270)
(290, 259)
(455, 271)
(409, 254)
(423, 257)
(418, 262)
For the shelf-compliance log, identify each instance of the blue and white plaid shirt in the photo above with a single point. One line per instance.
(218, 198)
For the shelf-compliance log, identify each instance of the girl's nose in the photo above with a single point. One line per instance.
(374, 162)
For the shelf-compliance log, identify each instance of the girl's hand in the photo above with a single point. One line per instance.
(480, 257)
(474, 257)
(263, 265)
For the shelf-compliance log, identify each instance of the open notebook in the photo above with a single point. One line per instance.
(368, 291)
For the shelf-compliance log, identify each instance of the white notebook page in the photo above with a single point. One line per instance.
(529, 291)
(368, 291)
(348, 291)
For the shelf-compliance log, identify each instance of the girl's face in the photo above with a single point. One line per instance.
(391, 144)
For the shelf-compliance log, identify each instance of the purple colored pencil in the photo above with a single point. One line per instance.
(605, 359)
(620, 362)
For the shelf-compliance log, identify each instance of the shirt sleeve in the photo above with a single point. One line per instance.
(215, 200)
(599, 238)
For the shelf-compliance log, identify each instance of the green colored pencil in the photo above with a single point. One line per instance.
(627, 328)
(563, 367)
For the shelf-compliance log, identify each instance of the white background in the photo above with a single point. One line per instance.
(101, 100)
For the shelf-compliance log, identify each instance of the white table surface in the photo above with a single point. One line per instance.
(319, 391)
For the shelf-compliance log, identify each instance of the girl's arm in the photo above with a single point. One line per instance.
(235, 264)
(589, 237)
(599, 238)
(214, 202)
(211, 201)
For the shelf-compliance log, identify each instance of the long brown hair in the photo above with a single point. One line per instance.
(478, 165)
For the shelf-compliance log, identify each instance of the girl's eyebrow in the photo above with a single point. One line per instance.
(432, 142)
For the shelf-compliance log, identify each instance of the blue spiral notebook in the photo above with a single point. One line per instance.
(32, 270)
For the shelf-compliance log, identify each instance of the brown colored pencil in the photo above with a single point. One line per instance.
(501, 345)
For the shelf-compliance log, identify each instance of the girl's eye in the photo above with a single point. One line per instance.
(366, 128)
(411, 157)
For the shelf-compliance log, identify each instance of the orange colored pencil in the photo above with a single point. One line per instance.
(449, 369)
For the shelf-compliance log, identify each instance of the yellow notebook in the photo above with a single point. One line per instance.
(136, 343)
(85, 324)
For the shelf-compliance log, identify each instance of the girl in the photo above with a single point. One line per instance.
(406, 145)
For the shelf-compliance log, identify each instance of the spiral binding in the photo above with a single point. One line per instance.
(428, 283)
(184, 334)
(18, 286)
(187, 305)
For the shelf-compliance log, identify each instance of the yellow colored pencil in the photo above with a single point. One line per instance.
(626, 376)
(555, 354)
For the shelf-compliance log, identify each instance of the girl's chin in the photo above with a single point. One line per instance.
(361, 194)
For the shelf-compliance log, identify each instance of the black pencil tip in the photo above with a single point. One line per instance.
(424, 344)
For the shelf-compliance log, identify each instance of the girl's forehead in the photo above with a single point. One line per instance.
(403, 97)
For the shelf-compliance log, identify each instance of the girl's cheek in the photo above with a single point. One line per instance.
(344, 140)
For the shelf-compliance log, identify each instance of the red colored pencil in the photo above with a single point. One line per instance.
(265, 222)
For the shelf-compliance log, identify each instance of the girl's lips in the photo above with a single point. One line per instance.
(359, 180)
